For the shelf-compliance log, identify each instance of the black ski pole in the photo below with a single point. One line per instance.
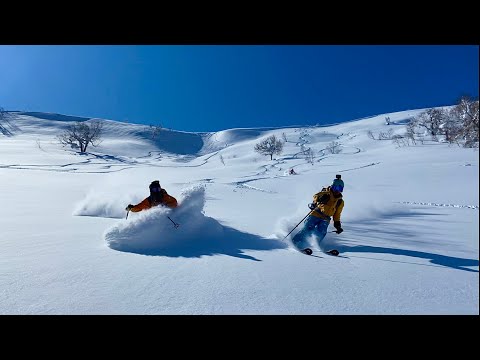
(297, 224)
(174, 223)
(126, 217)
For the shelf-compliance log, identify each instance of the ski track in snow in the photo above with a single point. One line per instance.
(475, 207)
(107, 167)
(109, 164)
(360, 167)
(243, 184)
(303, 139)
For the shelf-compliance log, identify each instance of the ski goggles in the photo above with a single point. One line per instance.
(338, 188)
(155, 189)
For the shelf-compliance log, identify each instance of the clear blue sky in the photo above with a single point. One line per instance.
(211, 88)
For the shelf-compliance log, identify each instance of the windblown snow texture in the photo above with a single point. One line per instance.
(152, 231)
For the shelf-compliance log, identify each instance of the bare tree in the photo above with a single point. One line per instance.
(302, 148)
(465, 113)
(452, 128)
(459, 125)
(431, 120)
(334, 147)
(269, 146)
(385, 135)
(222, 159)
(400, 140)
(410, 133)
(81, 134)
(284, 137)
(370, 134)
(154, 130)
(39, 145)
(310, 156)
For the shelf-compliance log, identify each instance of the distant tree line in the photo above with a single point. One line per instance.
(456, 125)
(271, 145)
(459, 125)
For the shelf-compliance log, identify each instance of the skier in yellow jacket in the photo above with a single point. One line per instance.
(158, 196)
(326, 204)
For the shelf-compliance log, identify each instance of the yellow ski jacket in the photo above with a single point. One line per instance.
(327, 205)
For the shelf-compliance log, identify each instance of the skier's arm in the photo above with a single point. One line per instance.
(336, 217)
(170, 201)
(338, 212)
(145, 204)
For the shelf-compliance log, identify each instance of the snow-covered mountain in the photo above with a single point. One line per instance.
(410, 244)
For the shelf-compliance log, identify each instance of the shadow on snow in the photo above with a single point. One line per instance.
(232, 242)
(437, 259)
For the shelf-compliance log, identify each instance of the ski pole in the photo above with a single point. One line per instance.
(298, 224)
(174, 223)
(127, 214)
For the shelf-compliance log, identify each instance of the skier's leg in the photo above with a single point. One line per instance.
(300, 239)
(321, 231)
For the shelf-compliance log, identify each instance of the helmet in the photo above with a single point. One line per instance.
(156, 194)
(155, 186)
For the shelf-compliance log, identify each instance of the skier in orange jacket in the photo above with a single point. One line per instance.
(158, 196)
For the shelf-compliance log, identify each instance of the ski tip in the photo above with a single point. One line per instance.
(307, 251)
(333, 252)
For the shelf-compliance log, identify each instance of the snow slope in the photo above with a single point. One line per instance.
(410, 244)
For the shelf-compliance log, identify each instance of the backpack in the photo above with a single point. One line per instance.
(324, 196)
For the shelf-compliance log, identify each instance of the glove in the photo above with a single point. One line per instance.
(312, 206)
(129, 207)
(338, 225)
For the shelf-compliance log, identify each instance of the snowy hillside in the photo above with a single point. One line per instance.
(409, 246)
